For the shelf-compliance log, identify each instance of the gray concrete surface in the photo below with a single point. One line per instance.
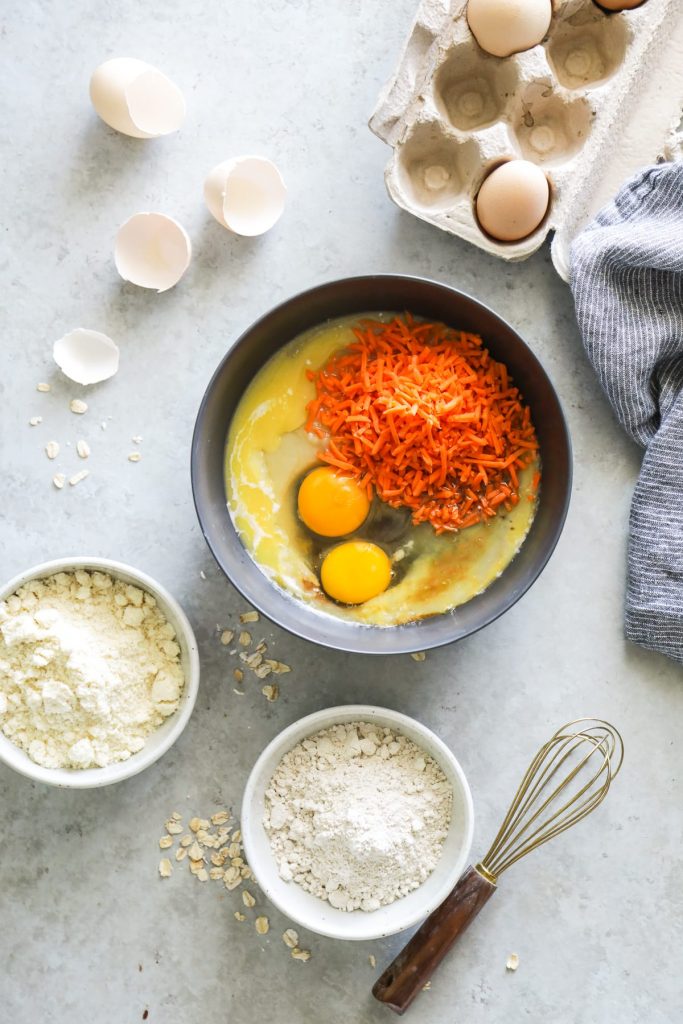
(88, 933)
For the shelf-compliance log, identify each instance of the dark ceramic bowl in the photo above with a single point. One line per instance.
(343, 298)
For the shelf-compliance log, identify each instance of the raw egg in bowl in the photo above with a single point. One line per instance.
(381, 465)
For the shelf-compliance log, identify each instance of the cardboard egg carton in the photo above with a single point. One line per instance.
(597, 99)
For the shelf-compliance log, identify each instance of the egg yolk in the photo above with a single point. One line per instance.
(355, 571)
(330, 504)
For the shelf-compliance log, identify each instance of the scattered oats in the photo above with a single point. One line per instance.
(248, 899)
(203, 875)
(77, 477)
(136, 439)
(290, 938)
(165, 842)
(218, 860)
(261, 925)
(181, 853)
(240, 917)
(418, 655)
(215, 873)
(42, 387)
(196, 866)
(227, 636)
(261, 647)
(512, 962)
(249, 616)
(186, 841)
(165, 868)
(236, 836)
(252, 660)
(202, 574)
(195, 824)
(35, 420)
(271, 693)
(232, 883)
(238, 675)
(301, 954)
(220, 817)
(78, 406)
(246, 872)
(204, 823)
(177, 816)
(262, 672)
(195, 852)
(83, 449)
(237, 862)
(372, 961)
(281, 669)
(244, 638)
(134, 457)
(52, 449)
(173, 827)
(59, 479)
(234, 850)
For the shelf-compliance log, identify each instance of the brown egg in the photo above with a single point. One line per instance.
(619, 5)
(513, 200)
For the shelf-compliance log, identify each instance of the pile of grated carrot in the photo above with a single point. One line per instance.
(423, 416)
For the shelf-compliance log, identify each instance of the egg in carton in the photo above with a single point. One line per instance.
(596, 99)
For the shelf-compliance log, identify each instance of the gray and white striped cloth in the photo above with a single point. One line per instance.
(627, 280)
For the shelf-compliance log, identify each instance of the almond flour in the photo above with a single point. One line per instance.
(89, 667)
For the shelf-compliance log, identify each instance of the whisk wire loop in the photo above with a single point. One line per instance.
(566, 780)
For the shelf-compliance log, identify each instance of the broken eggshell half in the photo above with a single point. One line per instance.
(246, 194)
(86, 356)
(152, 251)
(136, 99)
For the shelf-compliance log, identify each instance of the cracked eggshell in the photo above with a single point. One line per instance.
(136, 99)
(152, 251)
(246, 194)
(85, 356)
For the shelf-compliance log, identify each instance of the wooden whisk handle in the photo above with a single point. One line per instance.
(415, 964)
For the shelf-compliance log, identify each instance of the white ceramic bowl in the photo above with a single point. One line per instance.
(168, 732)
(316, 914)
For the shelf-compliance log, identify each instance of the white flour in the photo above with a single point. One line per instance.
(89, 667)
(357, 815)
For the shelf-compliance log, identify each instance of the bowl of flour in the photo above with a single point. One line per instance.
(99, 672)
(357, 822)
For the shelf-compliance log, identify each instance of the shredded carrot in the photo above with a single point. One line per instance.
(423, 416)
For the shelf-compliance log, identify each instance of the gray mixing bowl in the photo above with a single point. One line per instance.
(343, 298)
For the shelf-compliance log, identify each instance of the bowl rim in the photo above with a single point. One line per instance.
(93, 778)
(325, 718)
(277, 601)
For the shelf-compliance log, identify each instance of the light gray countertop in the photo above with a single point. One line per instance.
(88, 932)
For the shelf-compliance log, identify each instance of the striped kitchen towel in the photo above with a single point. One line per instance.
(627, 280)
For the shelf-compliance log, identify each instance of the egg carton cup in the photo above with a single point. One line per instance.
(597, 99)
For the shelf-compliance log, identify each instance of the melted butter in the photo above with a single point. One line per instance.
(268, 451)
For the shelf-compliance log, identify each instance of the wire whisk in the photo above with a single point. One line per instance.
(546, 803)
(567, 779)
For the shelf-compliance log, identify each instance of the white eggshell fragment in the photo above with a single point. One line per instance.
(152, 251)
(503, 27)
(85, 356)
(246, 194)
(513, 200)
(136, 99)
